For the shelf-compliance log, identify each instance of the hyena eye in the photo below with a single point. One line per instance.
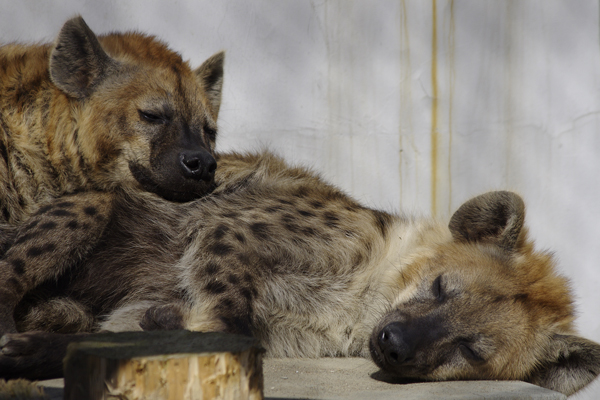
(210, 132)
(152, 117)
(470, 354)
(437, 289)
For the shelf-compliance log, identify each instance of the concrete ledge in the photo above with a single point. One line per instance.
(357, 378)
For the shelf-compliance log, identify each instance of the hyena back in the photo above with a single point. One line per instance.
(93, 115)
(278, 254)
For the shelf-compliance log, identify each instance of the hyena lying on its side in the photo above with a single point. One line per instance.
(93, 115)
(278, 254)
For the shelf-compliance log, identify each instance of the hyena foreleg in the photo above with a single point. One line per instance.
(59, 235)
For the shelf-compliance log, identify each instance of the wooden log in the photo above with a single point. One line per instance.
(169, 365)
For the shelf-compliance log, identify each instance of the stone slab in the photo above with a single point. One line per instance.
(357, 378)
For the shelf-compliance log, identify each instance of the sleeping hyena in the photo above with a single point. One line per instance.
(93, 115)
(278, 254)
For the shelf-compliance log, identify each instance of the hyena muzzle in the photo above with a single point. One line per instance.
(276, 253)
(93, 115)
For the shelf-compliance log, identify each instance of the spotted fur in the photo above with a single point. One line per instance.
(279, 254)
(93, 115)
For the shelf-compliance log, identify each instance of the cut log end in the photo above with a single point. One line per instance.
(166, 365)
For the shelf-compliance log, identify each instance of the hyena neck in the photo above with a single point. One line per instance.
(408, 239)
(390, 273)
(40, 159)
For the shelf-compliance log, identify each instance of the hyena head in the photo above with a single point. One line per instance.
(146, 119)
(485, 305)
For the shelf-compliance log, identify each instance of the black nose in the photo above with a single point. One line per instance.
(198, 165)
(393, 346)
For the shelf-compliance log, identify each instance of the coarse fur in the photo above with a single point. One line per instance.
(93, 115)
(277, 253)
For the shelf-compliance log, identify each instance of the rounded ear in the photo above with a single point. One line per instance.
(573, 362)
(77, 61)
(210, 77)
(493, 217)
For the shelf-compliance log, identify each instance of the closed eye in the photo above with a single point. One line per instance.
(437, 289)
(152, 117)
(470, 354)
(211, 133)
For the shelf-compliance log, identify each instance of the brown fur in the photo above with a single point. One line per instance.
(95, 115)
(277, 253)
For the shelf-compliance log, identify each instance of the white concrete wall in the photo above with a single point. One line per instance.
(505, 95)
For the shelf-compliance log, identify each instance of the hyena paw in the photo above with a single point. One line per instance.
(17, 344)
(32, 355)
(165, 317)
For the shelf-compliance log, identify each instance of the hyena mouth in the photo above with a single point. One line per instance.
(178, 189)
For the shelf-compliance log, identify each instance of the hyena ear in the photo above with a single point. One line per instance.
(210, 77)
(493, 217)
(78, 62)
(573, 362)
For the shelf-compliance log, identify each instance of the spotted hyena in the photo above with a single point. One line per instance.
(93, 115)
(279, 254)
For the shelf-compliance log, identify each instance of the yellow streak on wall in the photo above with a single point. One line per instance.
(434, 110)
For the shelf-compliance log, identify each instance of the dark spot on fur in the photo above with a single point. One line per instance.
(27, 237)
(65, 204)
(302, 191)
(220, 249)
(226, 304)
(14, 286)
(357, 259)
(48, 225)
(331, 217)
(44, 209)
(72, 224)
(4, 153)
(61, 213)
(215, 287)
(292, 227)
(309, 231)
(244, 259)
(5, 213)
(247, 277)
(91, 211)
(260, 230)
(219, 232)
(231, 214)
(32, 224)
(499, 299)
(240, 238)
(317, 204)
(246, 293)
(352, 207)
(305, 213)
(273, 209)
(521, 297)
(212, 268)
(18, 266)
(382, 220)
(37, 251)
(234, 280)
(287, 202)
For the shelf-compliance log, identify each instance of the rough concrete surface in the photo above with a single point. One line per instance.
(356, 378)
